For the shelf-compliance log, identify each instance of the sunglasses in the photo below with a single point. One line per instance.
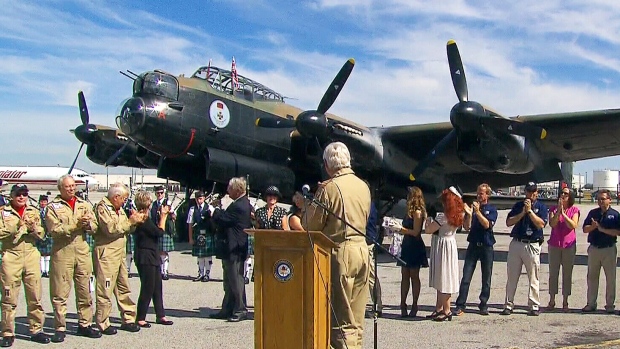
(159, 192)
(21, 194)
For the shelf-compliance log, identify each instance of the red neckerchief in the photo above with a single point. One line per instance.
(20, 211)
(72, 202)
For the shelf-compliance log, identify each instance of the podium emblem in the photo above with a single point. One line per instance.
(283, 270)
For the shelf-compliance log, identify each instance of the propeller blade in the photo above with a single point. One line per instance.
(83, 108)
(456, 71)
(275, 123)
(430, 158)
(336, 86)
(116, 155)
(76, 157)
(514, 127)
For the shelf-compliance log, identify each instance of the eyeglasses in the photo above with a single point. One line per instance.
(21, 194)
(563, 193)
(159, 192)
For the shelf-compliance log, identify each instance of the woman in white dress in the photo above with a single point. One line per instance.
(444, 258)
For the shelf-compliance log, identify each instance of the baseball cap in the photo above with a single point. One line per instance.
(199, 193)
(19, 188)
(531, 187)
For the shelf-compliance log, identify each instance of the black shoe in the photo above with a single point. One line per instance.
(206, 278)
(7, 341)
(219, 315)
(89, 332)
(165, 276)
(129, 275)
(237, 317)
(110, 331)
(164, 322)
(484, 311)
(246, 280)
(198, 278)
(59, 337)
(506, 311)
(40, 337)
(144, 325)
(533, 312)
(45, 275)
(130, 327)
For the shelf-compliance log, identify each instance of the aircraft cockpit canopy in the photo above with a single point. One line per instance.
(157, 83)
(221, 80)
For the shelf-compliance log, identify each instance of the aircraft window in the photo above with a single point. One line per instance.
(163, 85)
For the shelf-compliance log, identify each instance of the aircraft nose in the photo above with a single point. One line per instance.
(131, 116)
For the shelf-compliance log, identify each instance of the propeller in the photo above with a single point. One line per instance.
(114, 156)
(85, 130)
(314, 123)
(472, 116)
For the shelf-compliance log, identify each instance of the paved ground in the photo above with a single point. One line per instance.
(189, 303)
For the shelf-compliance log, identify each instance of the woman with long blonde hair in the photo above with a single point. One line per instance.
(413, 251)
(444, 259)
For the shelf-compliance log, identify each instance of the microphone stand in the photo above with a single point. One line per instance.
(377, 245)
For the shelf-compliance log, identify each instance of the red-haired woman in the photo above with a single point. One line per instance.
(444, 259)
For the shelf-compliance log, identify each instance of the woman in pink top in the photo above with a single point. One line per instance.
(563, 220)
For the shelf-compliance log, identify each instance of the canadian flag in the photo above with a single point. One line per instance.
(233, 74)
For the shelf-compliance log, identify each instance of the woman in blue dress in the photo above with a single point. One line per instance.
(413, 251)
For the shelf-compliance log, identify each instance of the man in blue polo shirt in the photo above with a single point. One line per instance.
(527, 219)
(479, 220)
(602, 226)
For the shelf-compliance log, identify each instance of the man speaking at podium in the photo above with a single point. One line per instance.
(347, 197)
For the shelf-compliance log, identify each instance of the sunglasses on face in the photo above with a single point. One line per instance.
(563, 193)
(159, 192)
(21, 194)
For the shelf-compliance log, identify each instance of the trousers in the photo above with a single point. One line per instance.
(234, 302)
(523, 254)
(475, 253)
(605, 258)
(565, 258)
(150, 289)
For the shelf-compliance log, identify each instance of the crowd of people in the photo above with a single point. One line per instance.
(72, 242)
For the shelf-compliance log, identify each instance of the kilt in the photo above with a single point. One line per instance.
(130, 244)
(91, 242)
(208, 250)
(45, 246)
(250, 245)
(166, 243)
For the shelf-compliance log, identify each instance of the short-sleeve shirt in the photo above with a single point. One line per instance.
(274, 222)
(525, 228)
(477, 233)
(609, 219)
(561, 235)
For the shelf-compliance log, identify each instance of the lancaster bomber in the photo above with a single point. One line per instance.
(216, 124)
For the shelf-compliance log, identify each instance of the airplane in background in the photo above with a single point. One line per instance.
(217, 124)
(42, 177)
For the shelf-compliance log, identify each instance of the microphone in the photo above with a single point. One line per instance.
(305, 190)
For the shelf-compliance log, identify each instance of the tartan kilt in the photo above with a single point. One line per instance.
(166, 243)
(250, 245)
(45, 246)
(208, 250)
(90, 240)
(130, 244)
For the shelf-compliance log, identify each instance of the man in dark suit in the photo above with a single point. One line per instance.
(231, 223)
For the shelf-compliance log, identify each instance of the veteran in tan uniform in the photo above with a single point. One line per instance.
(68, 220)
(348, 197)
(20, 229)
(113, 225)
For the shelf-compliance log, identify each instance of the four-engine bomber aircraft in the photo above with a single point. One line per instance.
(214, 125)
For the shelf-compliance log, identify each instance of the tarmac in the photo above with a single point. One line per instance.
(189, 303)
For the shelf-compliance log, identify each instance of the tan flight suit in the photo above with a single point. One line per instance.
(71, 260)
(110, 266)
(348, 197)
(20, 261)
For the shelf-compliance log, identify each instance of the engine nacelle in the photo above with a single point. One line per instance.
(220, 166)
(100, 153)
(147, 157)
(502, 153)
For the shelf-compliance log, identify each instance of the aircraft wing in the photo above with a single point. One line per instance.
(579, 135)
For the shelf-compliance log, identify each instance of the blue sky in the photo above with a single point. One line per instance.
(524, 58)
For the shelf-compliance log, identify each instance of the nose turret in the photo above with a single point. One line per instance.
(132, 115)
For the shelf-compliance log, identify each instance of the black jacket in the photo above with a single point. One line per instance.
(231, 223)
(146, 250)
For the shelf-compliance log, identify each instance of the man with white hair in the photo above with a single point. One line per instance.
(109, 259)
(348, 197)
(69, 219)
(232, 223)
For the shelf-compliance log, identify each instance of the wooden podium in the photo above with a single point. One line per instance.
(291, 289)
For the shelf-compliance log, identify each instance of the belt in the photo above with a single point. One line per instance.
(530, 241)
(604, 246)
(479, 244)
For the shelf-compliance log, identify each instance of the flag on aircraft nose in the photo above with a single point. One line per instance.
(233, 74)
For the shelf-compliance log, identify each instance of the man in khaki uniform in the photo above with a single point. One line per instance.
(68, 220)
(109, 258)
(348, 197)
(20, 228)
